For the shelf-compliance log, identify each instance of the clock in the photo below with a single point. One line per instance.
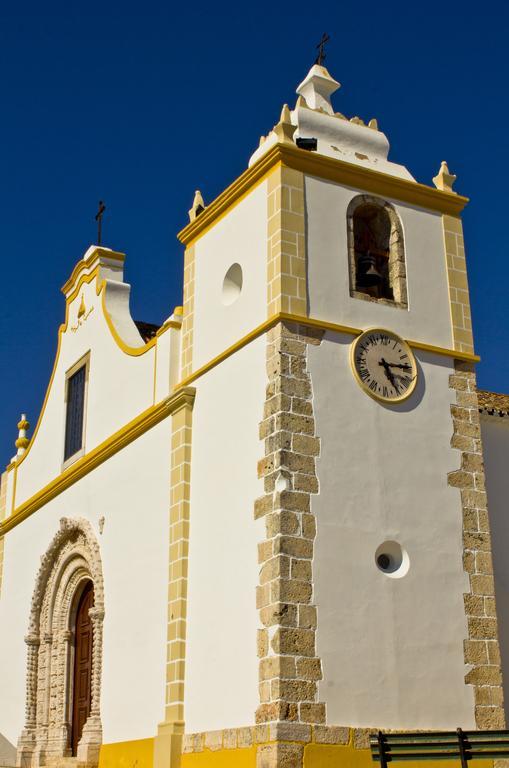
(383, 365)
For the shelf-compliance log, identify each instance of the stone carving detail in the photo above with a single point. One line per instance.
(70, 562)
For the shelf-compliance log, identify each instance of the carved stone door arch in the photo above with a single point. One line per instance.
(70, 563)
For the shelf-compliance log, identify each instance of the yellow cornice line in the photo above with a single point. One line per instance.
(131, 431)
(444, 351)
(339, 171)
(84, 263)
(372, 181)
(182, 396)
(313, 323)
(454, 353)
(265, 326)
(230, 196)
(323, 324)
(133, 351)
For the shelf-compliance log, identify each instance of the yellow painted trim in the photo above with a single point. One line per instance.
(313, 323)
(229, 351)
(324, 325)
(120, 439)
(363, 385)
(136, 351)
(14, 483)
(328, 168)
(445, 351)
(85, 263)
(168, 324)
(156, 413)
(133, 351)
(155, 377)
(62, 329)
(125, 754)
(454, 353)
(230, 197)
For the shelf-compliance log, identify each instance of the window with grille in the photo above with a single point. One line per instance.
(75, 412)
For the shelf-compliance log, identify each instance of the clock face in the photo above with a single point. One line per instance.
(384, 365)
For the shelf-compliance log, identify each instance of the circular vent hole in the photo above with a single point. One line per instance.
(392, 559)
(232, 284)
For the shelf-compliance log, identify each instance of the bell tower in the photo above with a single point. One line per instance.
(329, 281)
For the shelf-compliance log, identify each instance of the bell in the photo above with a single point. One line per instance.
(369, 276)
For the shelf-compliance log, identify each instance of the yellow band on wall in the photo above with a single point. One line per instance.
(126, 754)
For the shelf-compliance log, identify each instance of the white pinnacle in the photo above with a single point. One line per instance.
(317, 88)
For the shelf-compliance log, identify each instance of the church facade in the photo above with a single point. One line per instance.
(277, 522)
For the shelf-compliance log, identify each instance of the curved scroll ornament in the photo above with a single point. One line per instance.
(71, 561)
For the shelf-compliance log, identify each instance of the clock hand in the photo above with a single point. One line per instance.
(388, 373)
(405, 366)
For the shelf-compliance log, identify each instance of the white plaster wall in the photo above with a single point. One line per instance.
(392, 649)
(241, 236)
(428, 316)
(131, 490)
(495, 437)
(221, 658)
(120, 387)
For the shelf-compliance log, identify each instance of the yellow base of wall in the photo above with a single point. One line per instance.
(223, 758)
(140, 754)
(127, 754)
(315, 756)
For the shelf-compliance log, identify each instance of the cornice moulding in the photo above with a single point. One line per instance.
(339, 171)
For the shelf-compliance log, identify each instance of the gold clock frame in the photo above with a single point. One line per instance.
(364, 386)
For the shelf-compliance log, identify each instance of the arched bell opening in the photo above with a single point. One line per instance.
(376, 252)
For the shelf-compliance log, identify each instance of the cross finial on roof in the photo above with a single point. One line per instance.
(99, 219)
(321, 53)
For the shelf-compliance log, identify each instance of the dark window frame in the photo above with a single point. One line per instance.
(75, 409)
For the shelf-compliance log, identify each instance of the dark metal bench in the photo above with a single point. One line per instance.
(445, 745)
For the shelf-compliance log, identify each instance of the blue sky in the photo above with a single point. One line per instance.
(139, 104)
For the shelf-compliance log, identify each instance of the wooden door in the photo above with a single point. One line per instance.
(82, 678)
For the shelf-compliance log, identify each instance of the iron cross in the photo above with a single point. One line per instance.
(99, 219)
(321, 53)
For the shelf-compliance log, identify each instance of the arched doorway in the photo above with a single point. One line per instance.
(64, 651)
(82, 673)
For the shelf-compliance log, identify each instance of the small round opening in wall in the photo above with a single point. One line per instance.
(392, 559)
(232, 284)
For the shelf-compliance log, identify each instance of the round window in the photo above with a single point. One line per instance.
(232, 284)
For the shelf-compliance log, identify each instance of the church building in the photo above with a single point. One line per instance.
(278, 523)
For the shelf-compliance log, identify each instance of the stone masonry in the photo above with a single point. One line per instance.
(458, 284)
(178, 556)
(482, 654)
(289, 667)
(188, 310)
(286, 243)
